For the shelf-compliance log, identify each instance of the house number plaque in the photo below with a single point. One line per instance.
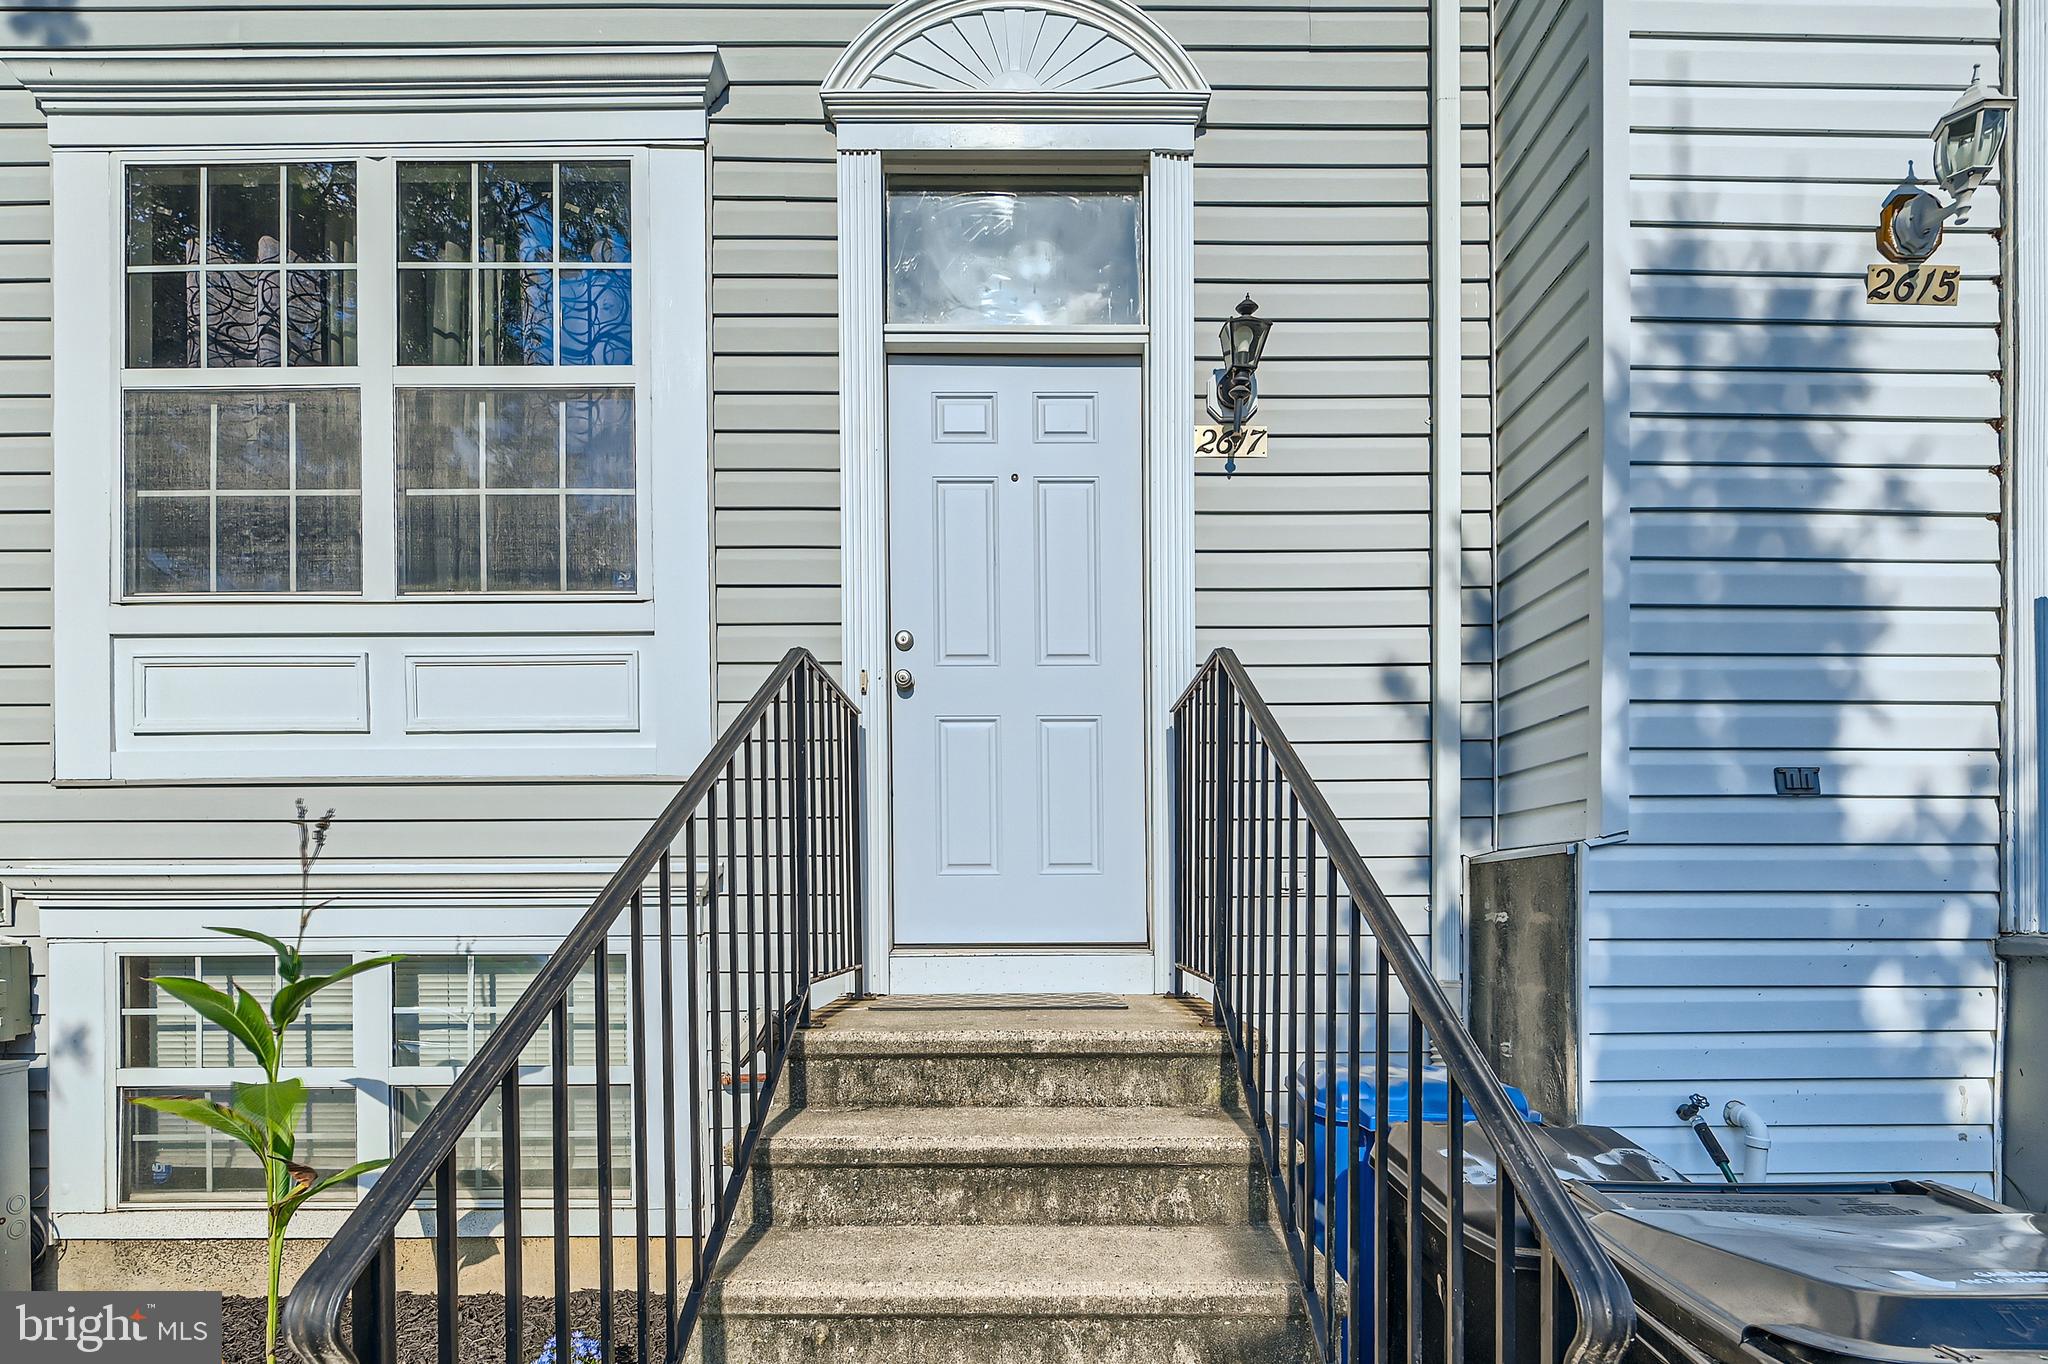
(1927, 285)
(1221, 442)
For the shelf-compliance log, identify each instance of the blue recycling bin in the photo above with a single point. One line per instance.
(1330, 1103)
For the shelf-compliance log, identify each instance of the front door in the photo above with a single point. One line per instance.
(1016, 581)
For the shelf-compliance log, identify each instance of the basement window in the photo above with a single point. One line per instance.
(374, 1065)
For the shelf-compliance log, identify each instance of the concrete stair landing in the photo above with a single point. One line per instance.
(1007, 1186)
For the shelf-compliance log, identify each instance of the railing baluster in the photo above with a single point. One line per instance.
(668, 1059)
(802, 825)
(1454, 1225)
(601, 1045)
(373, 1307)
(693, 1084)
(643, 1196)
(756, 946)
(857, 838)
(558, 1095)
(1382, 1210)
(1328, 964)
(735, 1038)
(1547, 1330)
(1507, 1344)
(1353, 1144)
(447, 1295)
(1418, 1107)
(515, 1248)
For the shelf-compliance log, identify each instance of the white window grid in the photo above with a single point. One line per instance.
(554, 266)
(379, 377)
(214, 492)
(250, 969)
(561, 492)
(284, 266)
(374, 1077)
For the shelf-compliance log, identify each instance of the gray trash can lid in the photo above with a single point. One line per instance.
(1900, 1271)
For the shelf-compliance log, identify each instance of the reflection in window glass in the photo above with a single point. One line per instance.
(159, 1033)
(516, 490)
(445, 1007)
(278, 283)
(515, 263)
(969, 258)
(242, 490)
(480, 1156)
(167, 1159)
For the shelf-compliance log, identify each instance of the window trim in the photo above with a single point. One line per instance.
(643, 102)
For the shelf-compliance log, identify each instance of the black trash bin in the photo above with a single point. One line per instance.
(1576, 1153)
(1887, 1271)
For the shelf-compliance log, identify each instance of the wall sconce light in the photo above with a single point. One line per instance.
(1967, 140)
(1237, 387)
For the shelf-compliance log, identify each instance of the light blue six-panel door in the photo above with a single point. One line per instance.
(1016, 570)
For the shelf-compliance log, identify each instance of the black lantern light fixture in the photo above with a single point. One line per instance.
(1967, 141)
(1237, 388)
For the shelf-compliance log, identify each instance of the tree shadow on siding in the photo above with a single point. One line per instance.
(1814, 584)
(51, 23)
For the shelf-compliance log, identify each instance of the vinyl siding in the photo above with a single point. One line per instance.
(1815, 582)
(1312, 193)
(1546, 484)
(1315, 564)
(1476, 549)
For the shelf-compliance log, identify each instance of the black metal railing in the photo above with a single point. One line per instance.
(1303, 955)
(743, 896)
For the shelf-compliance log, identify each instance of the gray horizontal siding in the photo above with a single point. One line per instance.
(1815, 582)
(1546, 485)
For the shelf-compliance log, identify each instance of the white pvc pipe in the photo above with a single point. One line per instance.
(1756, 1140)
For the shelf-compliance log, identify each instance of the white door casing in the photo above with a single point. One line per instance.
(1016, 578)
(1017, 106)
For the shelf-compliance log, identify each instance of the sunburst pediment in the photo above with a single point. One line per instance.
(956, 54)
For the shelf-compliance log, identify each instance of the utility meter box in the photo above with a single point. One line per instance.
(14, 970)
(17, 1240)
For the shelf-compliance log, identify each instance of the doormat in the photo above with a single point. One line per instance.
(948, 1003)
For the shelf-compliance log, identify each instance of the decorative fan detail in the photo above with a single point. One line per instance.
(1015, 49)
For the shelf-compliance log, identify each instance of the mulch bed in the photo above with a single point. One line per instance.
(479, 1328)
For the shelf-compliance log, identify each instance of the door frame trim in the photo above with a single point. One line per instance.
(1168, 387)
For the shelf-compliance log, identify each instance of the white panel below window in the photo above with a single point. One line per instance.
(533, 693)
(386, 705)
(307, 694)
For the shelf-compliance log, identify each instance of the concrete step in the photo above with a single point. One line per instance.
(1005, 1295)
(1158, 1053)
(983, 1166)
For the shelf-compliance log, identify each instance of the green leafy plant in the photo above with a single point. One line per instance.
(265, 1117)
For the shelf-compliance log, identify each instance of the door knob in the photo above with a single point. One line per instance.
(903, 639)
(903, 679)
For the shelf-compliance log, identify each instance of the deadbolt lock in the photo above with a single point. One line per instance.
(903, 639)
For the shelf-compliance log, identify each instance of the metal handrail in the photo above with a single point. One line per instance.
(1239, 857)
(794, 896)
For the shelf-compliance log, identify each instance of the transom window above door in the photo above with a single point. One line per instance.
(430, 362)
(1036, 254)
